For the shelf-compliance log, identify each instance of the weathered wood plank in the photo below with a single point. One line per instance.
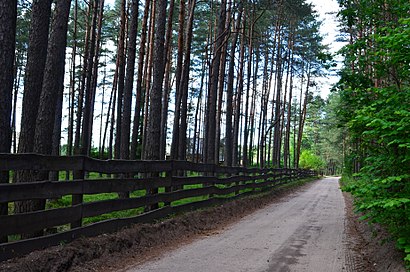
(38, 220)
(39, 162)
(56, 189)
(126, 166)
(48, 189)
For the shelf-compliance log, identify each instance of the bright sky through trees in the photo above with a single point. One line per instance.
(328, 10)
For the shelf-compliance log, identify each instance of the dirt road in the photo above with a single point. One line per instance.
(301, 233)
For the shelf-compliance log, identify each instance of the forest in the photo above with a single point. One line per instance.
(223, 82)
(230, 81)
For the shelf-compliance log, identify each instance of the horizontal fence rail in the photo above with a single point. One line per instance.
(87, 206)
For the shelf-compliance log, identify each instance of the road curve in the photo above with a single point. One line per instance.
(304, 232)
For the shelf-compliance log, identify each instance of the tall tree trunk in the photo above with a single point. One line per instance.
(197, 127)
(286, 148)
(8, 17)
(182, 147)
(152, 148)
(148, 73)
(245, 155)
(53, 85)
(113, 112)
(70, 136)
(14, 111)
(154, 122)
(238, 102)
(111, 104)
(36, 60)
(214, 76)
(221, 85)
(302, 116)
(80, 100)
(277, 125)
(129, 80)
(208, 56)
(252, 115)
(34, 74)
(178, 95)
(89, 92)
(141, 55)
(102, 112)
(121, 78)
(229, 91)
(112, 123)
(53, 82)
(282, 118)
(264, 110)
(96, 62)
(167, 83)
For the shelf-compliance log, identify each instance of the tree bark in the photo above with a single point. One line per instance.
(89, 88)
(70, 136)
(80, 100)
(121, 77)
(36, 60)
(141, 55)
(252, 115)
(53, 84)
(152, 151)
(286, 148)
(182, 146)
(221, 84)
(8, 17)
(96, 62)
(277, 117)
(229, 92)
(129, 80)
(214, 76)
(152, 148)
(238, 102)
(148, 73)
(302, 116)
(167, 83)
(245, 155)
(178, 95)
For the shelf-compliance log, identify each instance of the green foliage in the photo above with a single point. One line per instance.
(375, 93)
(309, 160)
(322, 134)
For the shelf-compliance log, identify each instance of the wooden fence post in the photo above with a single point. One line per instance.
(168, 189)
(4, 178)
(78, 198)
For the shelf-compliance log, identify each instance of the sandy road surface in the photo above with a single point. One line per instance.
(301, 233)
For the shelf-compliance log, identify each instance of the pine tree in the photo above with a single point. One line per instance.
(8, 19)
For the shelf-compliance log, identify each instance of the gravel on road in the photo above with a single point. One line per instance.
(304, 232)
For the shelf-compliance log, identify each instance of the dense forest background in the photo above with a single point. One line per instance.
(236, 81)
(229, 82)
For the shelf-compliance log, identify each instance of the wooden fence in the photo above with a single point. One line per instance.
(201, 185)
